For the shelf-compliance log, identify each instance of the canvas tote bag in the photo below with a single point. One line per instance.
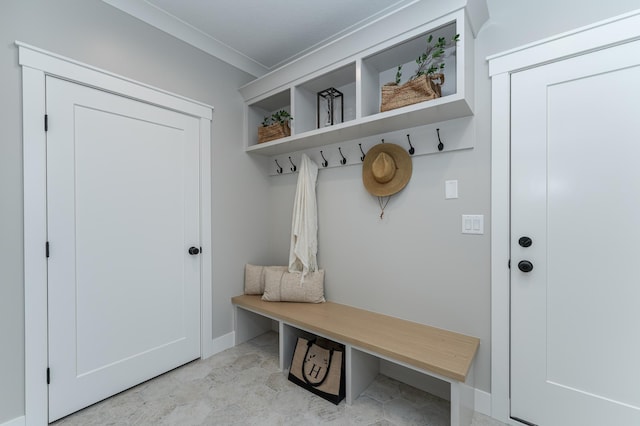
(318, 366)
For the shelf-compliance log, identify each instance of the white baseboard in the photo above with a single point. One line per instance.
(482, 402)
(18, 421)
(217, 345)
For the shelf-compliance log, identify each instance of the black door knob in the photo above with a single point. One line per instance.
(525, 266)
(525, 242)
(194, 250)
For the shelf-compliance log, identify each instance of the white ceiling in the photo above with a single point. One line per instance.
(258, 36)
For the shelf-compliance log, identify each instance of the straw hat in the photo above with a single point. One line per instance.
(386, 169)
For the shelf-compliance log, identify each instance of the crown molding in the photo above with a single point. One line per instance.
(168, 23)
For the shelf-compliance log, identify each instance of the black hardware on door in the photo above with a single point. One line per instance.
(525, 242)
(194, 250)
(525, 266)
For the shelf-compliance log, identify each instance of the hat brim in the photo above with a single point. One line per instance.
(404, 168)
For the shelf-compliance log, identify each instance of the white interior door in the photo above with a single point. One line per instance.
(122, 200)
(575, 141)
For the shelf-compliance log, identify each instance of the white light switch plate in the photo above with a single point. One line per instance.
(473, 224)
(450, 189)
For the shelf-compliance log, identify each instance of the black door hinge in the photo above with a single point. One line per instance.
(509, 264)
(48, 376)
(46, 122)
(46, 248)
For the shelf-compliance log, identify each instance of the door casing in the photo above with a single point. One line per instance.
(36, 65)
(583, 40)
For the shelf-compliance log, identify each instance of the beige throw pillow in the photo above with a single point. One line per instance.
(254, 277)
(283, 286)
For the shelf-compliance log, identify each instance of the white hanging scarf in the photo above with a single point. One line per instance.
(304, 226)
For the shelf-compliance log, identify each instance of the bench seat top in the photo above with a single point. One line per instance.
(428, 348)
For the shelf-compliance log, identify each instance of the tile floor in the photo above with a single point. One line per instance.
(242, 386)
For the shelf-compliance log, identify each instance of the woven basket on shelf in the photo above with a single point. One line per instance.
(272, 132)
(423, 88)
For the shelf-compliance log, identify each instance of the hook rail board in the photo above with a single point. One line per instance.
(447, 136)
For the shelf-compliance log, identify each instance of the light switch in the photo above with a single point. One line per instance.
(450, 189)
(473, 224)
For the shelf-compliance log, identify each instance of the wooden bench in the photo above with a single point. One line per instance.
(368, 338)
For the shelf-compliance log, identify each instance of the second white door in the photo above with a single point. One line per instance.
(124, 291)
(575, 214)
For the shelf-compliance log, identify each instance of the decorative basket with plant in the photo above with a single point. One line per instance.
(425, 84)
(275, 126)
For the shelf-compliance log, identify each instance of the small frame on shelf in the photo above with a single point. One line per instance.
(330, 109)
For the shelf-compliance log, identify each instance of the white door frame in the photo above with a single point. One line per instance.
(36, 64)
(606, 33)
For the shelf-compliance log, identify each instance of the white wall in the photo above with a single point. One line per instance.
(98, 34)
(517, 22)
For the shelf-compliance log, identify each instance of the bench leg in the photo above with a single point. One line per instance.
(288, 341)
(462, 402)
(361, 369)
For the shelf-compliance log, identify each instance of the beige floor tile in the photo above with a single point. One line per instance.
(242, 386)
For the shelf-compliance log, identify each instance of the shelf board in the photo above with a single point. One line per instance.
(441, 109)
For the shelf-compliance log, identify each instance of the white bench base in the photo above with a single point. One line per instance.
(361, 365)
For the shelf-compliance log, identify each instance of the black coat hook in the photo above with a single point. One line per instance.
(294, 168)
(363, 154)
(412, 150)
(440, 145)
(279, 168)
(325, 163)
(344, 160)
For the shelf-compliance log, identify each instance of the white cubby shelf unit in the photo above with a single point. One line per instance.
(360, 78)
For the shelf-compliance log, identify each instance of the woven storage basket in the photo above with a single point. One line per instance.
(423, 88)
(272, 132)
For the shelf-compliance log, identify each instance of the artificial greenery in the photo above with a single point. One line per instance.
(399, 74)
(281, 117)
(431, 60)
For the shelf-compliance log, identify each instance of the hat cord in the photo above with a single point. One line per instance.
(383, 204)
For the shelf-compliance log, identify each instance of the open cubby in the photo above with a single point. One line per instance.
(257, 111)
(306, 96)
(380, 68)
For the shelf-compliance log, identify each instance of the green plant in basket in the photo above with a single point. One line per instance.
(425, 84)
(281, 117)
(275, 126)
(431, 61)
